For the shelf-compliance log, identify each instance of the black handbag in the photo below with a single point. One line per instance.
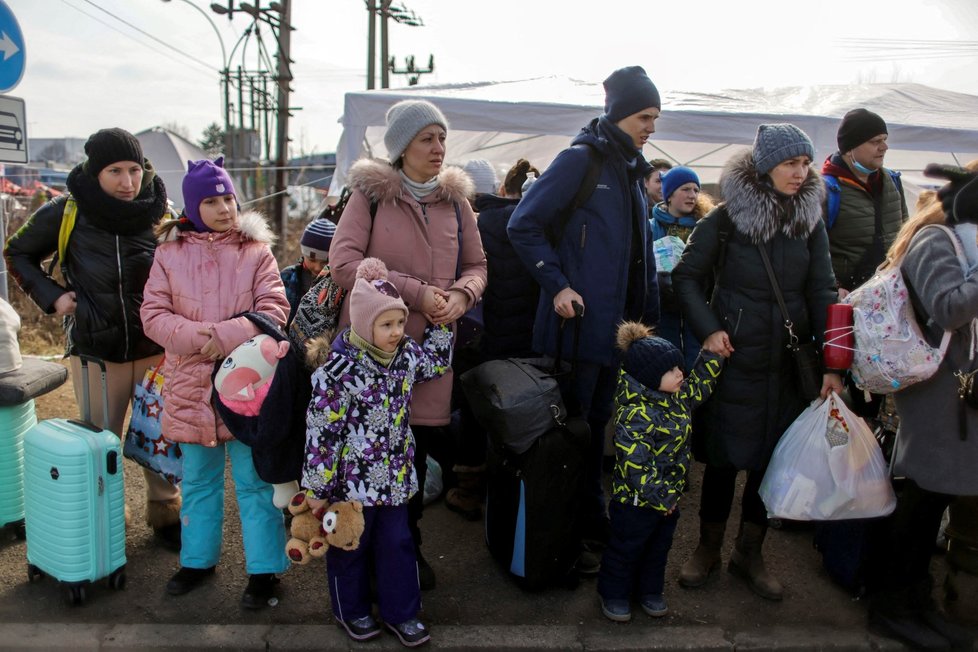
(808, 370)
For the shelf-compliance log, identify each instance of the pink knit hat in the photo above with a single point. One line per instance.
(372, 295)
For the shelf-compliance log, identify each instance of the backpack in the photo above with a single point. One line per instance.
(834, 195)
(890, 350)
(584, 191)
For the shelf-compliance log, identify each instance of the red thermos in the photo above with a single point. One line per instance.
(839, 340)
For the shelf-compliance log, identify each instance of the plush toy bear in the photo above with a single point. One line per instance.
(242, 383)
(314, 530)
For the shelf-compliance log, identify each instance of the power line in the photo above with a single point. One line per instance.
(130, 36)
(145, 33)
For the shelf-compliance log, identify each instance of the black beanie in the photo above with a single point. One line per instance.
(646, 358)
(108, 146)
(627, 91)
(858, 126)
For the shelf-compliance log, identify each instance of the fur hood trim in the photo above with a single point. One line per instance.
(759, 212)
(381, 183)
(251, 226)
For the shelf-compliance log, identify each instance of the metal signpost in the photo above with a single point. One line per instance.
(13, 114)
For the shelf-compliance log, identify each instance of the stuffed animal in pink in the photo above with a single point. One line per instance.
(243, 381)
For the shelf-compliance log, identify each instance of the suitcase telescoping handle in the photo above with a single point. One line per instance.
(578, 318)
(86, 410)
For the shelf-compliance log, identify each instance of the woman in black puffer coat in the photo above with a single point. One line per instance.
(118, 200)
(772, 199)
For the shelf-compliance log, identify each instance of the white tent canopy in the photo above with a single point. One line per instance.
(536, 118)
(169, 153)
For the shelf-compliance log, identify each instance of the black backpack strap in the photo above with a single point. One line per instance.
(584, 191)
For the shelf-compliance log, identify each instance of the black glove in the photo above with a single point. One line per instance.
(960, 200)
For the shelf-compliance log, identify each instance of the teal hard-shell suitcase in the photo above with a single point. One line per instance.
(74, 501)
(15, 420)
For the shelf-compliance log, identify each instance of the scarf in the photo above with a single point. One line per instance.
(621, 141)
(119, 216)
(380, 356)
(418, 190)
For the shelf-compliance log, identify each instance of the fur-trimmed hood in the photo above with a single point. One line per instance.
(252, 226)
(382, 183)
(760, 212)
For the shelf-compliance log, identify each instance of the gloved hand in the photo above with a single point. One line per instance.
(960, 200)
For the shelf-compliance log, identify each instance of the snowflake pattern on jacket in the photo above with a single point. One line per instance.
(652, 450)
(359, 445)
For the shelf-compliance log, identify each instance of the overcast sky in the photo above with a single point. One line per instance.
(87, 70)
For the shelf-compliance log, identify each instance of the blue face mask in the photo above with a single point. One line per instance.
(860, 168)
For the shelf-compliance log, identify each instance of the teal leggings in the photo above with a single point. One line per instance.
(202, 514)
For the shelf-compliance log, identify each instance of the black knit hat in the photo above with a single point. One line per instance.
(108, 146)
(858, 126)
(646, 358)
(627, 91)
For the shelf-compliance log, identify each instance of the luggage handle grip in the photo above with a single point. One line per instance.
(578, 318)
(86, 394)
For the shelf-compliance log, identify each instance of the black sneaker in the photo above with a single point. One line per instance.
(260, 589)
(360, 629)
(411, 633)
(186, 579)
(588, 563)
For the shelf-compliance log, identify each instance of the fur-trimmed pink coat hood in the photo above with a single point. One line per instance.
(419, 241)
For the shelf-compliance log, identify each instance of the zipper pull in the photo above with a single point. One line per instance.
(424, 211)
(583, 234)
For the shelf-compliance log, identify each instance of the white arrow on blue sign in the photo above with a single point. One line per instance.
(12, 55)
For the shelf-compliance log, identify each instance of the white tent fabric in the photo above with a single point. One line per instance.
(536, 118)
(169, 153)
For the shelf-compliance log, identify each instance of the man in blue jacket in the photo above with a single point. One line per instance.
(599, 256)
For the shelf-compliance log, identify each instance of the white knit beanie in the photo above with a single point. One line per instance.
(404, 120)
(483, 176)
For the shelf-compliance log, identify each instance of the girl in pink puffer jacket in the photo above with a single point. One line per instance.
(214, 264)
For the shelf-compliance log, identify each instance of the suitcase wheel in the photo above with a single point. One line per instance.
(74, 594)
(34, 573)
(117, 580)
(20, 531)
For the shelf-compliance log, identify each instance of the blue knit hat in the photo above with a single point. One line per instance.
(204, 179)
(316, 238)
(775, 143)
(627, 91)
(676, 177)
(646, 358)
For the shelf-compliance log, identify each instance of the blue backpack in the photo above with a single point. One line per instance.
(834, 194)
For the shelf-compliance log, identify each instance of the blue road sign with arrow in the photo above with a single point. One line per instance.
(12, 56)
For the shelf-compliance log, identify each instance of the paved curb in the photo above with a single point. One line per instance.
(57, 637)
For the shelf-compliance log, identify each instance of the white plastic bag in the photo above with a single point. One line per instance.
(433, 484)
(827, 466)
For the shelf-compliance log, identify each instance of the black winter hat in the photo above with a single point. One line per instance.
(627, 91)
(858, 126)
(108, 146)
(646, 357)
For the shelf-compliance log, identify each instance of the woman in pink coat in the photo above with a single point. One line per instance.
(414, 216)
(212, 266)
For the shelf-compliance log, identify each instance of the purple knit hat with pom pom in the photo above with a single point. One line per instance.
(372, 295)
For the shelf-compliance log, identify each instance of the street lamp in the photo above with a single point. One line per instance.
(225, 63)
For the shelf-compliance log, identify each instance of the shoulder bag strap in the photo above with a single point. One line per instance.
(788, 324)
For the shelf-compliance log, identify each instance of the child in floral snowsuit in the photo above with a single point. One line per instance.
(359, 447)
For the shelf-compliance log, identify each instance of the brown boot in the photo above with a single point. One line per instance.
(466, 498)
(705, 558)
(747, 563)
(164, 518)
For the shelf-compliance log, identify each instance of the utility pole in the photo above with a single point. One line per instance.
(371, 44)
(385, 6)
(284, 77)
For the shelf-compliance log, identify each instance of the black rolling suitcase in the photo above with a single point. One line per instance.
(534, 482)
(532, 507)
